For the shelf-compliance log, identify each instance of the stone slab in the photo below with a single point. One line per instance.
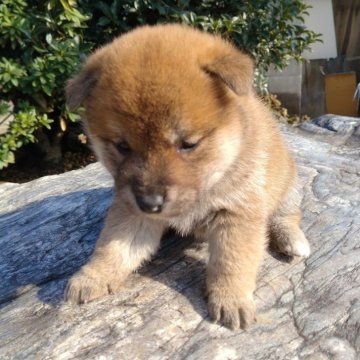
(306, 310)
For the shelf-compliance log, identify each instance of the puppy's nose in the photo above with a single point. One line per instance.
(150, 203)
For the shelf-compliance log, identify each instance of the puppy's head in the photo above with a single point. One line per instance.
(162, 112)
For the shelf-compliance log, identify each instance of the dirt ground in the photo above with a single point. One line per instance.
(30, 168)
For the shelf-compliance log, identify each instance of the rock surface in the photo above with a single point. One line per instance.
(306, 310)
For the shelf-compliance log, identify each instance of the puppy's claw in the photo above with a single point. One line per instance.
(231, 319)
(232, 311)
(247, 318)
(214, 311)
(82, 288)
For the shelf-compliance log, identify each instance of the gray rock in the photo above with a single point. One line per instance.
(342, 129)
(306, 310)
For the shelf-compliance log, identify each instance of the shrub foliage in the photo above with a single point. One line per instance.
(42, 44)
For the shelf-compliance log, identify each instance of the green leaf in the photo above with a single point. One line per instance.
(15, 82)
(104, 21)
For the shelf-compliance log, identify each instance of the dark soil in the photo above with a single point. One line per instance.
(30, 169)
(49, 157)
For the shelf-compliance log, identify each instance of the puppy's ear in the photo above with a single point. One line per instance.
(78, 88)
(235, 69)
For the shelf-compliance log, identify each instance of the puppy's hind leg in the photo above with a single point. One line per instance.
(285, 234)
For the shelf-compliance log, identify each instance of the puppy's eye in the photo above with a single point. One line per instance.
(187, 146)
(123, 148)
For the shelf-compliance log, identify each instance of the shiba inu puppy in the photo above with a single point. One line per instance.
(171, 113)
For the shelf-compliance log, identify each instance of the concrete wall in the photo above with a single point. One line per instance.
(321, 20)
(287, 85)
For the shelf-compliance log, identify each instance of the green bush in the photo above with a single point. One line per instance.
(43, 42)
(272, 31)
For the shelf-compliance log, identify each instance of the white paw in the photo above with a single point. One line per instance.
(299, 247)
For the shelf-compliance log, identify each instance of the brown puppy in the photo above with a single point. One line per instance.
(171, 113)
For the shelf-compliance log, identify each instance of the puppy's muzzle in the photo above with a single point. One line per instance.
(150, 203)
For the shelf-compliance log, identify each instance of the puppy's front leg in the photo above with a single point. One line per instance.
(125, 242)
(236, 246)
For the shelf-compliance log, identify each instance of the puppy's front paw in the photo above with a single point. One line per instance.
(83, 288)
(231, 307)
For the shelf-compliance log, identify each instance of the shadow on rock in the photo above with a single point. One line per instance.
(176, 268)
(47, 241)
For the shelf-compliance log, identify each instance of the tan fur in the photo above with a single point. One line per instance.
(155, 88)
